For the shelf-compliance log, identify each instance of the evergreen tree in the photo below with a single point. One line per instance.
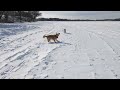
(13, 16)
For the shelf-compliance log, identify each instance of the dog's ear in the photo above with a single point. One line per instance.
(57, 33)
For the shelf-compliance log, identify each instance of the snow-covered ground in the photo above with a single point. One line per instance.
(89, 50)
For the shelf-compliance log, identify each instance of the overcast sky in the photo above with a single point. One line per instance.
(81, 14)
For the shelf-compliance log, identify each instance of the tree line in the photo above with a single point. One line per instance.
(18, 16)
(59, 19)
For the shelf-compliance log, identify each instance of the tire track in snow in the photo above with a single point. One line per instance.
(45, 64)
(21, 44)
(48, 28)
(18, 66)
(17, 40)
(107, 66)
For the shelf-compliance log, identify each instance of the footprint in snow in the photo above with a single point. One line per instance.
(65, 61)
(54, 63)
(102, 59)
(62, 77)
(119, 57)
(3, 73)
(44, 76)
(91, 64)
(46, 63)
(44, 68)
(92, 60)
(116, 75)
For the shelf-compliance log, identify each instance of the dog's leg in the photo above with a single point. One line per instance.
(54, 40)
(48, 39)
(57, 40)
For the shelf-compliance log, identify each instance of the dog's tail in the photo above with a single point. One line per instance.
(44, 36)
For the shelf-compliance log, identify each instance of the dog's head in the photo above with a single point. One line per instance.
(57, 34)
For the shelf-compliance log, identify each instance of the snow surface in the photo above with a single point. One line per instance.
(89, 50)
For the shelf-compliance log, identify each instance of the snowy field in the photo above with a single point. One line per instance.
(89, 50)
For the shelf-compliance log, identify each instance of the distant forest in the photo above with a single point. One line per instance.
(18, 16)
(58, 19)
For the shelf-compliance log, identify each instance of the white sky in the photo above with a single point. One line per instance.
(81, 14)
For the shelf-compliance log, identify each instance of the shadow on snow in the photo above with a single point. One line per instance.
(59, 42)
